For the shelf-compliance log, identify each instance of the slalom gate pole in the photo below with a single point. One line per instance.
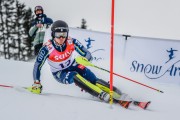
(112, 52)
(85, 62)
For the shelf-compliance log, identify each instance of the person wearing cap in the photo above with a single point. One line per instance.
(38, 27)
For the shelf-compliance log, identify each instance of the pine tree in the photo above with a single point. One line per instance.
(14, 26)
(2, 36)
(83, 24)
(19, 25)
(7, 29)
(28, 52)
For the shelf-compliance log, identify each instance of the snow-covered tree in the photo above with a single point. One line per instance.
(83, 24)
(15, 22)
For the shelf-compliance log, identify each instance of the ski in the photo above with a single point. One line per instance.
(142, 105)
(124, 104)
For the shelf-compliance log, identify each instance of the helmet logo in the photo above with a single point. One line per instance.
(60, 28)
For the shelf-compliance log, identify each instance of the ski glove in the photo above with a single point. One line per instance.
(89, 56)
(36, 87)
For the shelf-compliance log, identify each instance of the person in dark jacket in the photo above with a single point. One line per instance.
(38, 28)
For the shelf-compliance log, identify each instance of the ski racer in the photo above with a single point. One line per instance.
(38, 28)
(58, 52)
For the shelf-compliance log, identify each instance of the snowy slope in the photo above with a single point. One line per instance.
(67, 102)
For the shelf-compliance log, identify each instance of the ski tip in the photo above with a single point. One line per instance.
(147, 105)
(142, 105)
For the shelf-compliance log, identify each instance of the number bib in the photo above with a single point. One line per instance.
(61, 60)
(56, 66)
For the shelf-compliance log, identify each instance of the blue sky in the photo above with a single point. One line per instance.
(147, 18)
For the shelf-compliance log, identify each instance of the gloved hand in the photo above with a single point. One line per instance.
(36, 87)
(39, 25)
(89, 57)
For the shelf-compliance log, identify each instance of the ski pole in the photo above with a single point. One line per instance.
(7, 86)
(85, 62)
(30, 89)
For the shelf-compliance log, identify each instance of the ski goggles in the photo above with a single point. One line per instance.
(60, 34)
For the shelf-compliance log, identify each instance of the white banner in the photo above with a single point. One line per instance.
(156, 59)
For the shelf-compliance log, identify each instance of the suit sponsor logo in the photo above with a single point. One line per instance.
(63, 56)
(41, 55)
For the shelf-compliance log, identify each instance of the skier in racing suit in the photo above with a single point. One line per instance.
(59, 54)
